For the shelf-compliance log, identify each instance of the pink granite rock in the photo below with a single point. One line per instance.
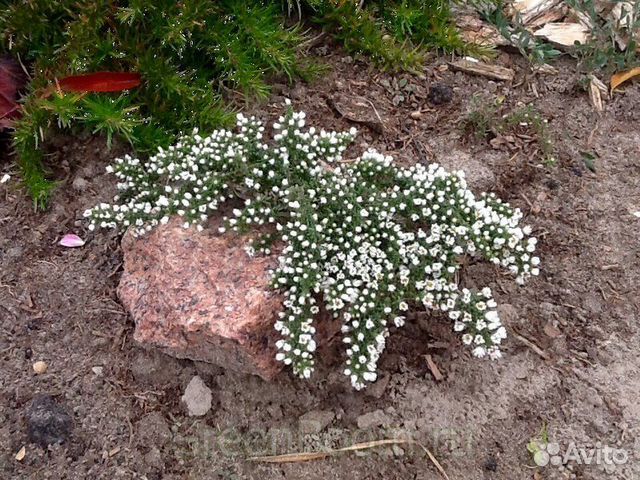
(198, 296)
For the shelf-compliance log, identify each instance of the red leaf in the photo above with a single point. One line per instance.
(100, 82)
(12, 79)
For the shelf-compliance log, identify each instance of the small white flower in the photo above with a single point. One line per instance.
(398, 322)
(342, 235)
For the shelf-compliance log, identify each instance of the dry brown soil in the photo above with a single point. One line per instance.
(579, 381)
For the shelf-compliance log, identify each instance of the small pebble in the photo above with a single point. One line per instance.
(416, 115)
(99, 371)
(40, 367)
(397, 451)
(197, 397)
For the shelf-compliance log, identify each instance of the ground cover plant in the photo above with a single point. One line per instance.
(613, 45)
(192, 56)
(495, 121)
(367, 238)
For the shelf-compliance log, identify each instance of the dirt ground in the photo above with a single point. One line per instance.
(571, 370)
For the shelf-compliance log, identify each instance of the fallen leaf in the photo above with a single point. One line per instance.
(100, 82)
(71, 240)
(12, 79)
(595, 96)
(619, 78)
(21, 454)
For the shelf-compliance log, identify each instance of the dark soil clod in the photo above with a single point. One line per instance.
(490, 464)
(439, 94)
(47, 422)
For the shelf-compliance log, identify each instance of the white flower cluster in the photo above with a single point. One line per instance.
(367, 239)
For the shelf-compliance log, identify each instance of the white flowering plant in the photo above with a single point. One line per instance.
(366, 237)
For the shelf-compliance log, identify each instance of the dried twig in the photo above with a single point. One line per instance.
(532, 346)
(435, 371)
(308, 456)
(484, 69)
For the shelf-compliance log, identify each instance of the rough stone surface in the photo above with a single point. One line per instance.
(315, 421)
(376, 418)
(47, 422)
(376, 390)
(479, 176)
(197, 397)
(201, 297)
(152, 429)
(154, 368)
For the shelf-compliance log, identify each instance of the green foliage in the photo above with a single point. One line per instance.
(395, 34)
(514, 31)
(361, 33)
(29, 133)
(190, 54)
(602, 51)
(187, 53)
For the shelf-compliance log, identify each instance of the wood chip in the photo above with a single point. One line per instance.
(476, 67)
(545, 69)
(564, 34)
(531, 10)
(435, 371)
(555, 14)
(612, 266)
(580, 17)
(622, 15)
(475, 30)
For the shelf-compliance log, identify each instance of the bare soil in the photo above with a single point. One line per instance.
(572, 364)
